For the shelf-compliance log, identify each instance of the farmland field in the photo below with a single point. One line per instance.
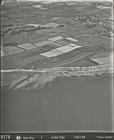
(91, 28)
(35, 101)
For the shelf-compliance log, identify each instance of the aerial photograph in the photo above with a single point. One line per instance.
(57, 65)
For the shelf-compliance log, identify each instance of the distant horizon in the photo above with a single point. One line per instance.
(51, 1)
(63, 0)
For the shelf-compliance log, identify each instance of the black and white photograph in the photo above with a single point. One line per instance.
(57, 67)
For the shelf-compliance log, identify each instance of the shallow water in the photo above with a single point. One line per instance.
(80, 103)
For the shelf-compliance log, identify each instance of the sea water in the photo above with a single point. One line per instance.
(66, 104)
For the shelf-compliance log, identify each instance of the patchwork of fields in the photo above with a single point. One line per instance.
(40, 35)
(56, 60)
(50, 52)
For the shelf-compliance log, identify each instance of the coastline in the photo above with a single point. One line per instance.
(38, 78)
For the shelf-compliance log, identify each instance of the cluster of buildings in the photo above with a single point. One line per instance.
(100, 23)
(93, 20)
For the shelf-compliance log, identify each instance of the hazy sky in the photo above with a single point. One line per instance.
(64, 0)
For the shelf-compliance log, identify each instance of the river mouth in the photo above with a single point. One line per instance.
(67, 104)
